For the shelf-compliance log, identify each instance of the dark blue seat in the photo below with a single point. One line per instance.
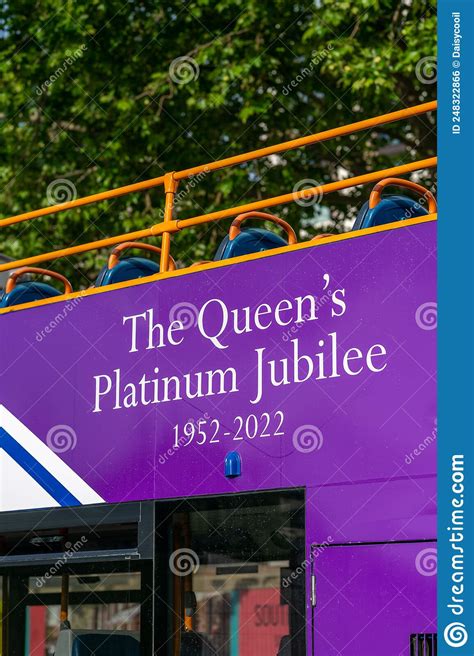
(249, 240)
(195, 644)
(253, 240)
(128, 268)
(28, 291)
(390, 209)
(285, 646)
(103, 644)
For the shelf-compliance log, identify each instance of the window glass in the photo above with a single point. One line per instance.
(1, 614)
(231, 563)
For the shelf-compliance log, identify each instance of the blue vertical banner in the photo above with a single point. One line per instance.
(456, 327)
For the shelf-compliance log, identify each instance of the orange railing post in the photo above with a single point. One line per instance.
(171, 186)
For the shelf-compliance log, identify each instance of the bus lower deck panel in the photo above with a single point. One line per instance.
(307, 375)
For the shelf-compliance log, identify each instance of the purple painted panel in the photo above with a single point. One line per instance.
(363, 412)
(403, 509)
(353, 616)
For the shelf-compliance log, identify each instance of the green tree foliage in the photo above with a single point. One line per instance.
(92, 93)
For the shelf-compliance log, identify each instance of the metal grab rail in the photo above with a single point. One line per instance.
(170, 182)
(312, 191)
(176, 226)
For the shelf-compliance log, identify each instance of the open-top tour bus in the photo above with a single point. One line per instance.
(232, 458)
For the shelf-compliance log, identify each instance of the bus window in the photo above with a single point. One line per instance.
(105, 605)
(233, 564)
(1, 615)
(77, 590)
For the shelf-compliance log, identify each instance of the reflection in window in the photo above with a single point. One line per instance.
(43, 619)
(232, 560)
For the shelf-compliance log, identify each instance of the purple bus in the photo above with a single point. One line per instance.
(230, 458)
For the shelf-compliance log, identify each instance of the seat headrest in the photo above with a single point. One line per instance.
(195, 644)
(26, 292)
(128, 268)
(105, 644)
(390, 209)
(284, 648)
(83, 642)
(248, 241)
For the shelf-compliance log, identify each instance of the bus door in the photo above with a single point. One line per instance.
(236, 583)
(374, 598)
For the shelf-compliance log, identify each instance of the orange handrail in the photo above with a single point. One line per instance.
(229, 161)
(170, 181)
(81, 248)
(176, 226)
(308, 193)
(311, 139)
(85, 200)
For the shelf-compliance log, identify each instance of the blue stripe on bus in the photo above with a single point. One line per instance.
(39, 473)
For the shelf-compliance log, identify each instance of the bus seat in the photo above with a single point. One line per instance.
(379, 211)
(85, 642)
(100, 644)
(253, 240)
(195, 644)
(129, 268)
(284, 648)
(29, 290)
(390, 210)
